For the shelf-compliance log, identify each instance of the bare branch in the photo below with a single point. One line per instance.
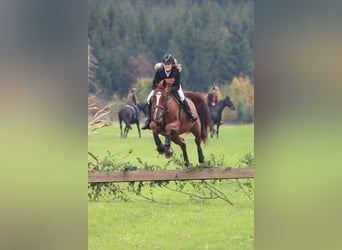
(241, 186)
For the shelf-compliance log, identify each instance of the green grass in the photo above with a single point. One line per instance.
(234, 143)
(173, 221)
(187, 225)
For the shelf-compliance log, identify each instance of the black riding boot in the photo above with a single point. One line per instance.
(192, 117)
(147, 122)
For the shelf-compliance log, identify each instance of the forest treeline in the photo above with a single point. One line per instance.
(212, 39)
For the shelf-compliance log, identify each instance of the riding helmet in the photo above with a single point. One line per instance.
(168, 59)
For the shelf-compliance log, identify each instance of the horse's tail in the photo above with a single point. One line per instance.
(202, 110)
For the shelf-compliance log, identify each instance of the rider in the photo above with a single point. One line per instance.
(132, 101)
(169, 69)
(212, 98)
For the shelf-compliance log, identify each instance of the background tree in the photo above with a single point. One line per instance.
(242, 92)
(213, 40)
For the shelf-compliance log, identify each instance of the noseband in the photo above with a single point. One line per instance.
(160, 107)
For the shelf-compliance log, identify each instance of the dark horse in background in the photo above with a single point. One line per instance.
(170, 120)
(216, 114)
(129, 115)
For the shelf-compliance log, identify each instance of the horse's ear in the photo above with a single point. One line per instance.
(154, 84)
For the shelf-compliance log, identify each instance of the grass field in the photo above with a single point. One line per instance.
(234, 143)
(173, 221)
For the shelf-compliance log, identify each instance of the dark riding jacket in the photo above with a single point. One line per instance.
(161, 75)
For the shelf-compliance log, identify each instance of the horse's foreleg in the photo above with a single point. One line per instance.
(168, 149)
(180, 141)
(212, 132)
(157, 141)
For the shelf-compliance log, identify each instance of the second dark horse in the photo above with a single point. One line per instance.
(127, 114)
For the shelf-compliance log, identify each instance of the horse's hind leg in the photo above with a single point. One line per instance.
(197, 133)
(138, 127)
(126, 131)
(199, 150)
(120, 129)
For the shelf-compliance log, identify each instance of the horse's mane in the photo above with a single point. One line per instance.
(202, 110)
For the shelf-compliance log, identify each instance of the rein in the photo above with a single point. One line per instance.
(161, 107)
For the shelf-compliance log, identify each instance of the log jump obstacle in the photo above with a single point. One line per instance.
(171, 175)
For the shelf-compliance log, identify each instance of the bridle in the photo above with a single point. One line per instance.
(159, 116)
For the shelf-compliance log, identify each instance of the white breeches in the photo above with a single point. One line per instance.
(181, 93)
(149, 96)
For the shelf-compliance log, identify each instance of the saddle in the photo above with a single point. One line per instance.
(179, 102)
(133, 109)
(175, 94)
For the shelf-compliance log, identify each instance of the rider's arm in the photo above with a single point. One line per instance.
(176, 75)
(159, 75)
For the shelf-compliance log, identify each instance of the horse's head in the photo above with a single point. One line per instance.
(228, 102)
(159, 101)
(160, 98)
(143, 106)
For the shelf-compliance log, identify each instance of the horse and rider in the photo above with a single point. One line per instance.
(166, 104)
(216, 107)
(131, 100)
(130, 113)
(169, 120)
(172, 112)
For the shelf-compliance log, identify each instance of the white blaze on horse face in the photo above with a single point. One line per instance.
(158, 97)
(157, 116)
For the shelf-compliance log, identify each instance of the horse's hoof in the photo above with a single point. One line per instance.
(161, 150)
(169, 153)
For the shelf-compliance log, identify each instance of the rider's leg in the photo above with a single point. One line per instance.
(149, 103)
(137, 112)
(192, 117)
(148, 120)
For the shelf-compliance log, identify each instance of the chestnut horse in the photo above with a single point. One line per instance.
(170, 120)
